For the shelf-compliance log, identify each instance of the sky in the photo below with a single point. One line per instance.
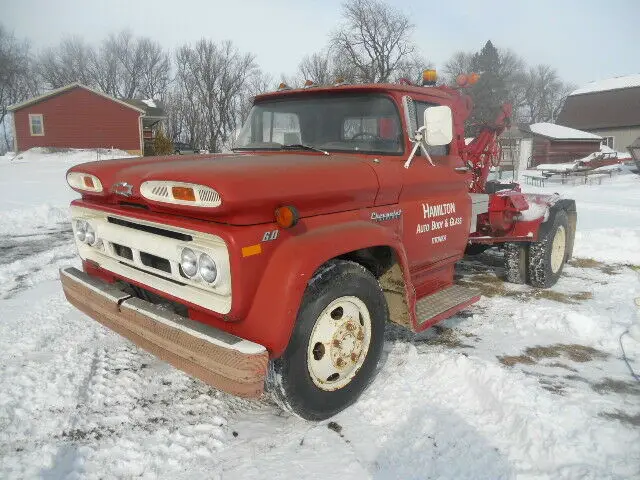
(584, 40)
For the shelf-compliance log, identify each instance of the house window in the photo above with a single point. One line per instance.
(36, 125)
(607, 141)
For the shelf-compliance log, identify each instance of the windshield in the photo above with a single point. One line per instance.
(354, 123)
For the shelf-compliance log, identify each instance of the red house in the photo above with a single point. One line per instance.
(76, 116)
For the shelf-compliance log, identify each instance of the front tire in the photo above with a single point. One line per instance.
(336, 344)
(548, 255)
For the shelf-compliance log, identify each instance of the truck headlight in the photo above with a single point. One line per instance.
(90, 235)
(208, 269)
(85, 232)
(189, 262)
(81, 230)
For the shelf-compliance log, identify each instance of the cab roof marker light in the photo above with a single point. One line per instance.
(180, 193)
(84, 182)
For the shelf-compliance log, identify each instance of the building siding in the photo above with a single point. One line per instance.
(622, 137)
(78, 118)
(551, 151)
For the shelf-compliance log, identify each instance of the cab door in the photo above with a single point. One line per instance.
(436, 211)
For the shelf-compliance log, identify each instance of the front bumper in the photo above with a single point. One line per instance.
(222, 360)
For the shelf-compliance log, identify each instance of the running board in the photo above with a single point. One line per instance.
(443, 304)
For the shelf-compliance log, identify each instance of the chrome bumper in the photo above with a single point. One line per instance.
(216, 357)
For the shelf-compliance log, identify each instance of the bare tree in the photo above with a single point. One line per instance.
(374, 40)
(317, 67)
(132, 67)
(17, 82)
(544, 94)
(213, 78)
(70, 62)
(459, 63)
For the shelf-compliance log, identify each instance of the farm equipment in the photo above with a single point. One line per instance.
(342, 208)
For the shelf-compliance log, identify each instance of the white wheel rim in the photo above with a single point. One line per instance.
(339, 343)
(558, 249)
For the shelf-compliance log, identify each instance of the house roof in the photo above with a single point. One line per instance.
(559, 132)
(615, 83)
(66, 88)
(151, 108)
(612, 103)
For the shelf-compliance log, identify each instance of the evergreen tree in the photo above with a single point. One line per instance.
(162, 145)
(491, 90)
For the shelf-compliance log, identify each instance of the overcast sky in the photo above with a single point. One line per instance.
(583, 39)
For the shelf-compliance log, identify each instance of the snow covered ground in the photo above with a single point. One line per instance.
(524, 384)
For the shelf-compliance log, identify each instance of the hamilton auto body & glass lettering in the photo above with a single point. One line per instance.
(434, 213)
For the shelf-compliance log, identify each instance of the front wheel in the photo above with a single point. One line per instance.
(336, 344)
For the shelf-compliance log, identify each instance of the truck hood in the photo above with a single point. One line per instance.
(251, 185)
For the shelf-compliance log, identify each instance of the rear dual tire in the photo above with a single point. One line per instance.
(540, 263)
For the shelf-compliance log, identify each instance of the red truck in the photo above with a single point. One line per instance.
(342, 208)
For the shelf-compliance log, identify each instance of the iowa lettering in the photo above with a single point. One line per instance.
(438, 210)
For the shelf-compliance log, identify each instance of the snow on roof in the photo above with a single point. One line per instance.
(615, 83)
(559, 132)
(150, 103)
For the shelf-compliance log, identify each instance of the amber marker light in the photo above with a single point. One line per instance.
(309, 83)
(88, 182)
(473, 78)
(186, 194)
(286, 217)
(283, 86)
(462, 80)
(429, 77)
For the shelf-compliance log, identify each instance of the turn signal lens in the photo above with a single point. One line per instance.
(183, 193)
(287, 217)
(84, 182)
(283, 86)
(309, 83)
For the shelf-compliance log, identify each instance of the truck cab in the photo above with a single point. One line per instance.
(340, 209)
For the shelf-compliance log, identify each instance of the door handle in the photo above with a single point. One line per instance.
(461, 169)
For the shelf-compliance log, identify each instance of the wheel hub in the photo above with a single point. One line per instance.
(346, 346)
(339, 343)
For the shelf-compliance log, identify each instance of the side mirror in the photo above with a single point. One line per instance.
(438, 123)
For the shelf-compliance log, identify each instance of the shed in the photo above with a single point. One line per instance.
(558, 144)
(76, 116)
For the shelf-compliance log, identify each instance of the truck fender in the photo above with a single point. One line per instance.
(275, 307)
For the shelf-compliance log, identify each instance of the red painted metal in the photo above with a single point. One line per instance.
(342, 200)
(79, 118)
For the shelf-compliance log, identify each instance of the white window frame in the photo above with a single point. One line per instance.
(606, 142)
(41, 117)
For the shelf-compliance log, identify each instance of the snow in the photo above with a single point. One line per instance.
(557, 167)
(32, 199)
(615, 83)
(560, 132)
(149, 102)
(524, 384)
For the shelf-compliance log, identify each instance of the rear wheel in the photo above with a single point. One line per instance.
(336, 344)
(548, 255)
(515, 262)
